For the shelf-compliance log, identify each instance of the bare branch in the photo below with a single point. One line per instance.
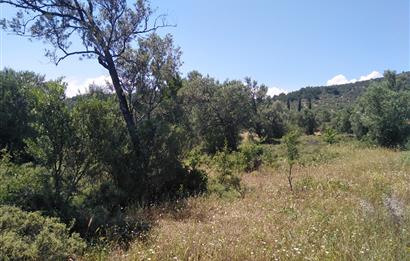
(30, 6)
(74, 53)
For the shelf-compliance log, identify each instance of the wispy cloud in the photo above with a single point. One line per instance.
(75, 86)
(272, 91)
(341, 79)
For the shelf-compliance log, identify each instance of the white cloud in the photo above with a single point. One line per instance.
(272, 91)
(372, 75)
(75, 87)
(341, 79)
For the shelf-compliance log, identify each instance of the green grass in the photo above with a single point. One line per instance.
(350, 203)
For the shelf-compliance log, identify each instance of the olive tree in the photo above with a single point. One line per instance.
(107, 31)
(223, 108)
(382, 115)
(259, 99)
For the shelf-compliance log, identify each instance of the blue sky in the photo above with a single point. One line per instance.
(287, 44)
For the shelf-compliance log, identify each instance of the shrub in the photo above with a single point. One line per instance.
(22, 185)
(382, 114)
(330, 136)
(307, 122)
(31, 236)
(227, 165)
(270, 156)
(215, 187)
(194, 159)
(252, 156)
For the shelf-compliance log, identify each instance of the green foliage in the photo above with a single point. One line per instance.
(358, 127)
(290, 141)
(228, 166)
(251, 153)
(330, 136)
(229, 109)
(307, 122)
(316, 155)
(322, 118)
(382, 114)
(267, 117)
(74, 158)
(84, 166)
(270, 156)
(23, 185)
(194, 158)
(341, 121)
(272, 121)
(16, 104)
(338, 96)
(61, 146)
(223, 108)
(30, 236)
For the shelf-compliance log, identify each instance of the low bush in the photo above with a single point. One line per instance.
(270, 156)
(330, 136)
(251, 155)
(22, 185)
(31, 236)
(228, 166)
(216, 187)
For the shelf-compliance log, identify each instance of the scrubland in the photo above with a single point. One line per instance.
(350, 202)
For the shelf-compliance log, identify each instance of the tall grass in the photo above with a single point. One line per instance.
(351, 203)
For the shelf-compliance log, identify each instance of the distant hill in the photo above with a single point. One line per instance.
(335, 96)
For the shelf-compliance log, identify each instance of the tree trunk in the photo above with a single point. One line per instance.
(290, 178)
(125, 110)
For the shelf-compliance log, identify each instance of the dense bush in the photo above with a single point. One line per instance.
(16, 104)
(228, 167)
(31, 236)
(224, 108)
(330, 136)
(382, 114)
(307, 122)
(271, 119)
(23, 185)
(251, 155)
(341, 121)
(83, 164)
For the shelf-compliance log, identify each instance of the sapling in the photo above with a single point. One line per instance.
(291, 143)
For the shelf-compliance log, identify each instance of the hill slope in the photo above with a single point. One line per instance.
(335, 96)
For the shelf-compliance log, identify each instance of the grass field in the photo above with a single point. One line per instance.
(350, 203)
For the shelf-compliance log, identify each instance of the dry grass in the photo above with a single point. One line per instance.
(352, 207)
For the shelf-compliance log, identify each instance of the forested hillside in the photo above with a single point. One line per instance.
(333, 97)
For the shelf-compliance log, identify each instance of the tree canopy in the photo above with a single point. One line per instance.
(107, 31)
